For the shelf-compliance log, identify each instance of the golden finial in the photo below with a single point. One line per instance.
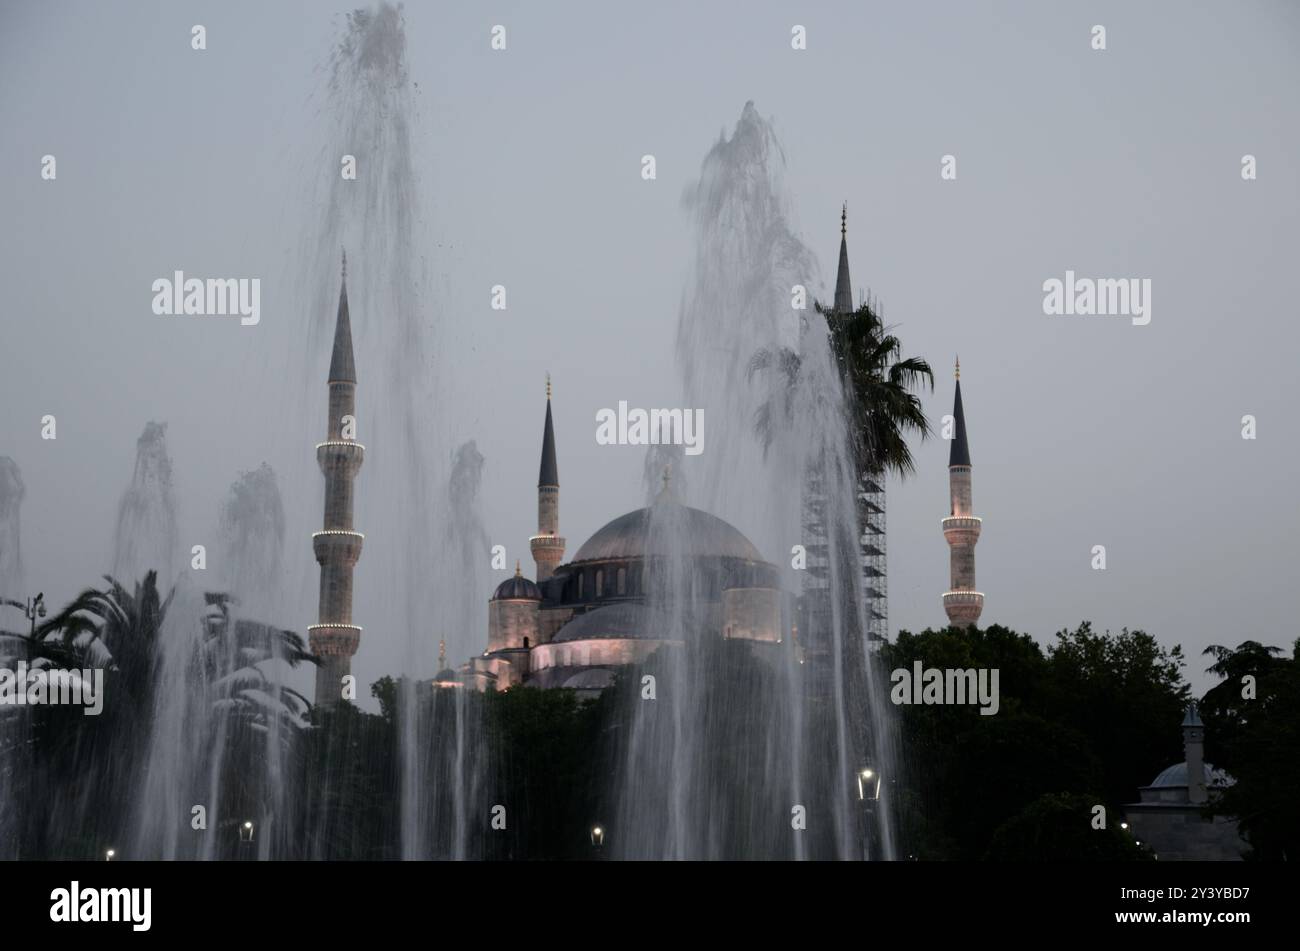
(548, 386)
(668, 475)
(844, 220)
(518, 571)
(442, 653)
(345, 264)
(956, 373)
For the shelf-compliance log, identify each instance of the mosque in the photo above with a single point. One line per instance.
(582, 620)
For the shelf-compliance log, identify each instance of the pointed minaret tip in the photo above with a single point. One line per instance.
(442, 653)
(549, 472)
(959, 453)
(342, 365)
(519, 572)
(844, 220)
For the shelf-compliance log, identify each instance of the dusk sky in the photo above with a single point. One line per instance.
(1084, 431)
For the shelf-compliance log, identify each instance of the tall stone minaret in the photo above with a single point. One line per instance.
(547, 545)
(870, 501)
(335, 638)
(962, 529)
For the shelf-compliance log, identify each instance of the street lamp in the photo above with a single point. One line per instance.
(597, 837)
(110, 855)
(868, 795)
(868, 784)
(246, 832)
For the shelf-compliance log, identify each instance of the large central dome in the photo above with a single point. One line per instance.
(660, 529)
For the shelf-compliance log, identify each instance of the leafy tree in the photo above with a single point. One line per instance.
(1126, 694)
(1257, 741)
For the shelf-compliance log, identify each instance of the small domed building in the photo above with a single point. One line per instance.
(582, 620)
(1171, 820)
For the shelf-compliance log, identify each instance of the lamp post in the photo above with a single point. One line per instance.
(868, 795)
(597, 839)
(110, 855)
(246, 839)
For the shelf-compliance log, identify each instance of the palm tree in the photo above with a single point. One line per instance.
(879, 384)
(88, 769)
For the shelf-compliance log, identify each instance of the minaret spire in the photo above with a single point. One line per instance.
(843, 286)
(547, 545)
(342, 367)
(962, 603)
(959, 452)
(334, 639)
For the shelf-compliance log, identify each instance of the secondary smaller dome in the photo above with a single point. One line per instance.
(517, 588)
(1176, 776)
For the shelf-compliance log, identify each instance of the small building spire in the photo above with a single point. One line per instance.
(442, 653)
(548, 387)
(844, 220)
(519, 572)
(957, 370)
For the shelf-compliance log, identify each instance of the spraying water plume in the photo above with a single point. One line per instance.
(146, 538)
(753, 733)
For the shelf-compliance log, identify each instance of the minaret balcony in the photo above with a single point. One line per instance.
(963, 606)
(546, 543)
(961, 529)
(333, 640)
(337, 546)
(339, 455)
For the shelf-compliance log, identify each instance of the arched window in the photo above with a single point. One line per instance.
(622, 581)
(600, 582)
(525, 642)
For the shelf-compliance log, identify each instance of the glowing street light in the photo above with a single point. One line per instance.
(597, 837)
(246, 832)
(110, 855)
(868, 784)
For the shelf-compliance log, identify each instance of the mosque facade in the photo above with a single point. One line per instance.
(583, 619)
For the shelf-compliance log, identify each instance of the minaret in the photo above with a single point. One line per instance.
(547, 545)
(962, 529)
(1194, 755)
(335, 638)
(871, 485)
(843, 288)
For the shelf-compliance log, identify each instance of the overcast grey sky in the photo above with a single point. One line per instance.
(1083, 431)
